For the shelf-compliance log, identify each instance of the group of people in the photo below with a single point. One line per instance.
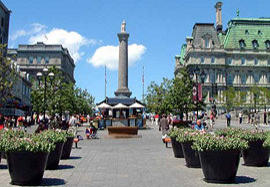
(15, 121)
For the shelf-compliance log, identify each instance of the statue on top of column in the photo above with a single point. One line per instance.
(123, 26)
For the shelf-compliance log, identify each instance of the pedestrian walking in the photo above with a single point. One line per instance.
(164, 126)
(228, 117)
(240, 118)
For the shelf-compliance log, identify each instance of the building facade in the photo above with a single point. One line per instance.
(4, 21)
(237, 57)
(34, 58)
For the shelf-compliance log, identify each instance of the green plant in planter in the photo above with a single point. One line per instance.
(229, 132)
(18, 141)
(187, 135)
(209, 142)
(266, 143)
(54, 136)
(173, 133)
(253, 135)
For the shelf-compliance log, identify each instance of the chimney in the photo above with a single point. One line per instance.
(218, 17)
(189, 41)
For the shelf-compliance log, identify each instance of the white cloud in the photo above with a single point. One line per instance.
(71, 40)
(33, 29)
(109, 55)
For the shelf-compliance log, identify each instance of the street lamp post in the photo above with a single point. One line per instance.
(198, 74)
(45, 74)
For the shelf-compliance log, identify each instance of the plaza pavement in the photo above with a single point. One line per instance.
(137, 162)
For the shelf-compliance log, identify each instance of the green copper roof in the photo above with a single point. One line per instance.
(247, 29)
(182, 53)
(221, 37)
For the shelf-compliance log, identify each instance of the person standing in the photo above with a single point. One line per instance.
(228, 117)
(265, 118)
(164, 126)
(212, 120)
(240, 118)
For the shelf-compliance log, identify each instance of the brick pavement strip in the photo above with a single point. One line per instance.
(137, 162)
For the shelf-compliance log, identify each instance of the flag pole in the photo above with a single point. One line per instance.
(105, 82)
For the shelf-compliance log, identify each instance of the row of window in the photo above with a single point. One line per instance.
(39, 59)
(243, 78)
(229, 61)
(255, 44)
(259, 32)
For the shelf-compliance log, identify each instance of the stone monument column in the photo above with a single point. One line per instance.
(123, 63)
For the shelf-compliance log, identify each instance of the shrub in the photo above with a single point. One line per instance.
(187, 134)
(173, 133)
(18, 141)
(54, 136)
(209, 142)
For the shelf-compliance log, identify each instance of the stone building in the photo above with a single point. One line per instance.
(4, 21)
(238, 56)
(33, 58)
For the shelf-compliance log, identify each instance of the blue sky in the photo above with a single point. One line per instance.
(89, 28)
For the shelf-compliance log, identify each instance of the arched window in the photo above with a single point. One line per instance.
(202, 59)
(229, 61)
(267, 44)
(256, 61)
(206, 43)
(31, 60)
(255, 44)
(242, 44)
(243, 79)
(212, 59)
(243, 61)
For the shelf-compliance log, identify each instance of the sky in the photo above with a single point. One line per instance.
(88, 28)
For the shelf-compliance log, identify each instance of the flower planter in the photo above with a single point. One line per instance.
(219, 166)
(256, 154)
(177, 148)
(191, 156)
(67, 148)
(54, 156)
(26, 168)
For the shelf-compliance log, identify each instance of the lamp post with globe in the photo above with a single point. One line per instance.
(45, 73)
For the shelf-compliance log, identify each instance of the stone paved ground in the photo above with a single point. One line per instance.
(138, 162)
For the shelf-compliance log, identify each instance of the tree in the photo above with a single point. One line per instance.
(230, 98)
(157, 98)
(8, 76)
(180, 96)
(61, 96)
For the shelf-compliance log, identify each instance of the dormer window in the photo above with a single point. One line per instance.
(242, 44)
(267, 44)
(255, 44)
(206, 43)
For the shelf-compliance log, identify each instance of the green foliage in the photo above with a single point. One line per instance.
(229, 132)
(17, 141)
(180, 94)
(157, 98)
(54, 136)
(248, 135)
(61, 96)
(188, 135)
(173, 133)
(209, 142)
(8, 76)
(266, 143)
(230, 98)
